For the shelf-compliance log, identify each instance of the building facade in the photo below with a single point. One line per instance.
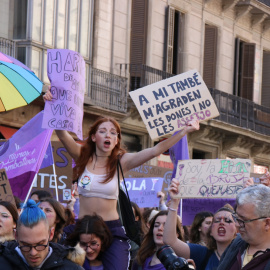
(128, 44)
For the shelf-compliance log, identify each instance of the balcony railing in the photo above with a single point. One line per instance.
(8, 46)
(142, 75)
(233, 109)
(242, 112)
(107, 90)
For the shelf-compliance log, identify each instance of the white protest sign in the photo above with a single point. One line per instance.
(166, 106)
(212, 178)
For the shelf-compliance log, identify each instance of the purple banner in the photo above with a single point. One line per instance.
(48, 157)
(190, 207)
(143, 191)
(66, 72)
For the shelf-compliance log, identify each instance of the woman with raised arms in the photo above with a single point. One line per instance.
(96, 171)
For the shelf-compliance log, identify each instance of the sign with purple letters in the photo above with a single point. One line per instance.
(168, 105)
(212, 178)
(143, 191)
(66, 72)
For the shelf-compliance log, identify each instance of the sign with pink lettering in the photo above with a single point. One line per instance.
(212, 178)
(166, 106)
(66, 72)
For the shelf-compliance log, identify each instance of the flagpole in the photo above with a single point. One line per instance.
(30, 189)
(56, 188)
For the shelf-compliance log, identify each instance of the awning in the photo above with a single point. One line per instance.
(7, 132)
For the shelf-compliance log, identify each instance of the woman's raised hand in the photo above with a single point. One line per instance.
(192, 126)
(48, 95)
(173, 190)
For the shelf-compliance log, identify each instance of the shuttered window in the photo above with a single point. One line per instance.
(210, 55)
(138, 32)
(174, 41)
(265, 101)
(244, 69)
(247, 71)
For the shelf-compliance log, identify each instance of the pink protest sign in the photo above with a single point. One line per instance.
(66, 72)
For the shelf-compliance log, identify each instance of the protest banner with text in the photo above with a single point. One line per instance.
(168, 105)
(5, 189)
(212, 178)
(66, 72)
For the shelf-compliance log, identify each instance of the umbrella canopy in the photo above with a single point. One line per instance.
(19, 86)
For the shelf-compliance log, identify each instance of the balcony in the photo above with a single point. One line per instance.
(107, 90)
(233, 110)
(7, 46)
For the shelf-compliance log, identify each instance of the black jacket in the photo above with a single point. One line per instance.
(11, 260)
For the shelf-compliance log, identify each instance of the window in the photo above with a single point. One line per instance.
(20, 14)
(37, 20)
(210, 56)
(265, 97)
(61, 24)
(49, 22)
(244, 69)
(174, 44)
(73, 23)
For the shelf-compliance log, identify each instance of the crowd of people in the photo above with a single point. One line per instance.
(88, 234)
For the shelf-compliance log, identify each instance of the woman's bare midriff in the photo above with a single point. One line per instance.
(102, 207)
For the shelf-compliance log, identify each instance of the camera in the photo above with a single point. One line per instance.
(171, 261)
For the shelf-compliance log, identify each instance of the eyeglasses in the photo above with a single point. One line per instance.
(226, 220)
(4, 215)
(93, 245)
(104, 132)
(36, 247)
(243, 222)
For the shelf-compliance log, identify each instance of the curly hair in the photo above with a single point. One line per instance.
(89, 148)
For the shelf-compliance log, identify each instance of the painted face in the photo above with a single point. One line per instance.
(38, 235)
(106, 137)
(252, 232)
(6, 222)
(49, 212)
(223, 228)
(158, 230)
(206, 224)
(91, 244)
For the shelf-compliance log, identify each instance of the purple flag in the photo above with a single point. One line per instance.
(179, 152)
(48, 157)
(23, 153)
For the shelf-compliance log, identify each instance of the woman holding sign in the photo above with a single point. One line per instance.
(222, 232)
(96, 171)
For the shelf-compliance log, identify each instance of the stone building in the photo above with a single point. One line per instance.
(128, 44)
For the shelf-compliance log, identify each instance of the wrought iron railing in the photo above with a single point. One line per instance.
(8, 46)
(242, 112)
(107, 90)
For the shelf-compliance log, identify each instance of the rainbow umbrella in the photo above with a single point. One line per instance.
(19, 85)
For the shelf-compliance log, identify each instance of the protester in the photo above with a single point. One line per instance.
(96, 171)
(55, 213)
(33, 249)
(8, 220)
(162, 203)
(40, 194)
(153, 240)
(223, 231)
(94, 237)
(250, 249)
(200, 228)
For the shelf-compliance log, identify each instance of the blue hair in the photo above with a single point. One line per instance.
(31, 215)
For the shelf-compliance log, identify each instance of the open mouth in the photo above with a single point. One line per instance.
(221, 231)
(107, 143)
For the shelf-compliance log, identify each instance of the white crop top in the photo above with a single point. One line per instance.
(90, 185)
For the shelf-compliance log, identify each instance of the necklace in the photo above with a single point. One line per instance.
(96, 162)
(218, 255)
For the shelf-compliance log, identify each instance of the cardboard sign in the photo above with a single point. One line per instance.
(5, 189)
(63, 168)
(143, 191)
(66, 72)
(212, 178)
(168, 105)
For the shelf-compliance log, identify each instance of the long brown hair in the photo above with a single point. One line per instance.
(148, 246)
(89, 148)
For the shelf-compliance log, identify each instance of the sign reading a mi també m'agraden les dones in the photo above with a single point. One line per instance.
(166, 106)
